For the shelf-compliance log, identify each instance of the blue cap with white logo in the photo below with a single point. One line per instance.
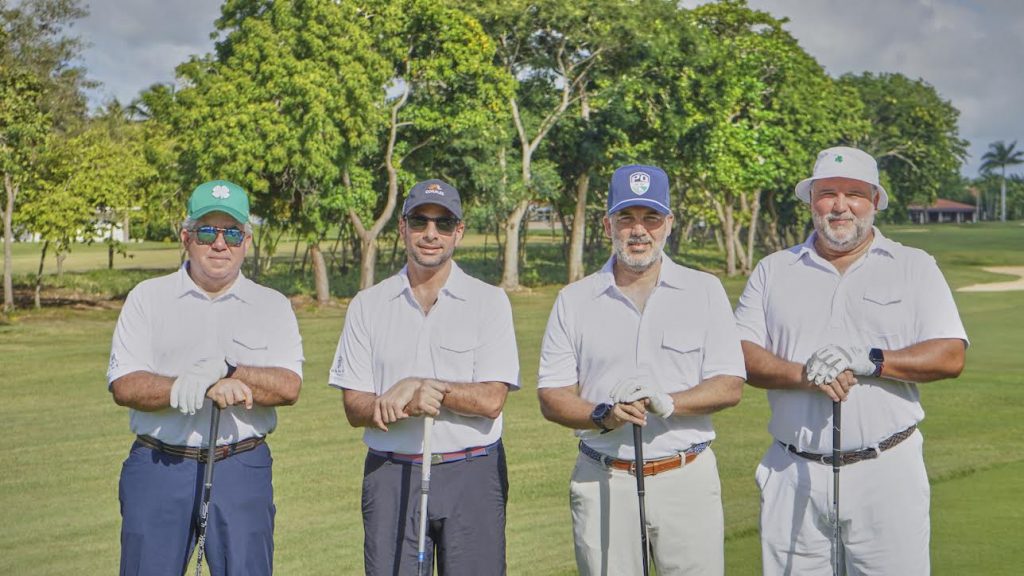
(433, 192)
(639, 185)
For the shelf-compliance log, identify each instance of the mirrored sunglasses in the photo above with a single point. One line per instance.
(208, 235)
(445, 224)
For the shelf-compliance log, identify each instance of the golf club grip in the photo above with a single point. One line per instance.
(837, 428)
(638, 465)
(428, 427)
(204, 509)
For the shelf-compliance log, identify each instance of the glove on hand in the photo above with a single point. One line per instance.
(189, 389)
(826, 364)
(634, 388)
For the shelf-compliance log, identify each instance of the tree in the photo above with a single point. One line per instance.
(760, 109)
(549, 48)
(912, 133)
(441, 83)
(1000, 156)
(40, 92)
(288, 102)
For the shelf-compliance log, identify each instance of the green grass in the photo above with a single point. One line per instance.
(64, 441)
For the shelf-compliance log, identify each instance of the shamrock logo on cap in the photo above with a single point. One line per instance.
(839, 158)
(221, 191)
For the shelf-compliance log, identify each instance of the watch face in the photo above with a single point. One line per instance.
(600, 411)
(876, 356)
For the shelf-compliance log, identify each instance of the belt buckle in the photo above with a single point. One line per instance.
(437, 459)
(632, 468)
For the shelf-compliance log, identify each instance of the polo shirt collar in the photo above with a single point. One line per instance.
(240, 289)
(879, 245)
(671, 275)
(457, 285)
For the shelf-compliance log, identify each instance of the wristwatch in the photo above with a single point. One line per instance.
(599, 414)
(878, 359)
(231, 369)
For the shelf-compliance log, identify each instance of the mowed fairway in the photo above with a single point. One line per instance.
(64, 441)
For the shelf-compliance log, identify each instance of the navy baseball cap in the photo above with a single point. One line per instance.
(639, 185)
(433, 192)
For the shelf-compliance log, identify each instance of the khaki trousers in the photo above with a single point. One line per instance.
(684, 519)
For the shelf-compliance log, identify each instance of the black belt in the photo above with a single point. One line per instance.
(854, 456)
(197, 453)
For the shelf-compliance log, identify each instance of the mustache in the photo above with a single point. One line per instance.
(635, 240)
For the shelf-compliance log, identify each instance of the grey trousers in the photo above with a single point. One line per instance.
(465, 521)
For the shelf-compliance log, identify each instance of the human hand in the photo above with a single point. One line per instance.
(229, 392)
(839, 388)
(189, 389)
(390, 406)
(636, 388)
(826, 363)
(427, 399)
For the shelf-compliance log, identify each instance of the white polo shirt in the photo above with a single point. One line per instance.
(796, 302)
(467, 337)
(686, 334)
(168, 323)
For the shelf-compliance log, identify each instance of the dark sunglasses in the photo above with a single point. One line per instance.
(445, 224)
(208, 235)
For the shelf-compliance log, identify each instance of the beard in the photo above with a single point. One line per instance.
(637, 263)
(847, 238)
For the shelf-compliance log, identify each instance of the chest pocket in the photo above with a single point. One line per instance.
(455, 356)
(883, 314)
(249, 349)
(684, 353)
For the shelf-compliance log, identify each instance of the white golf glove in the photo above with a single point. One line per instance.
(189, 390)
(635, 388)
(827, 363)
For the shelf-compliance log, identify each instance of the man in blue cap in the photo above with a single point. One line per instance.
(183, 341)
(643, 341)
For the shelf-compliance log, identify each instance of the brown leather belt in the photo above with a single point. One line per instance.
(197, 453)
(855, 456)
(651, 467)
(438, 457)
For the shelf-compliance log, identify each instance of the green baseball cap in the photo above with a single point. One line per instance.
(219, 196)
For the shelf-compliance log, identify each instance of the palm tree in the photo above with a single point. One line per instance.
(1000, 155)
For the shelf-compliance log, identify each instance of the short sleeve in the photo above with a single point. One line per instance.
(352, 367)
(722, 352)
(559, 366)
(750, 314)
(131, 348)
(497, 358)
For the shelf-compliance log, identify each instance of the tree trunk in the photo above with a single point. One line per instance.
(755, 212)
(510, 269)
(126, 225)
(1002, 196)
(725, 217)
(323, 290)
(61, 256)
(368, 261)
(8, 213)
(39, 274)
(579, 226)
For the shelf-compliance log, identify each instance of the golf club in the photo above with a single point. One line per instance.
(204, 509)
(638, 465)
(428, 426)
(837, 413)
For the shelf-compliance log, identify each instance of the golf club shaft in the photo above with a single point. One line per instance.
(638, 465)
(837, 414)
(204, 509)
(428, 426)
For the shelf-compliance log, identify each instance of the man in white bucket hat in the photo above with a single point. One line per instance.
(852, 317)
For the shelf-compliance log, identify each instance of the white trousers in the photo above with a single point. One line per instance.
(684, 519)
(883, 513)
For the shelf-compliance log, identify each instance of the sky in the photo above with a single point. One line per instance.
(972, 52)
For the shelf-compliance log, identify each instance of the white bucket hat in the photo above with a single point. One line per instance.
(844, 162)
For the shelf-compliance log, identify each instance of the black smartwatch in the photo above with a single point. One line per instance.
(878, 359)
(231, 369)
(599, 414)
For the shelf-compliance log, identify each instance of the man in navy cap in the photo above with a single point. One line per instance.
(430, 341)
(201, 335)
(643, 341)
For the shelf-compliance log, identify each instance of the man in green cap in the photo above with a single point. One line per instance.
(183, 341)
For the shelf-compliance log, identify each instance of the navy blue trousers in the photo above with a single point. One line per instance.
(160, 498)
(465, 520)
